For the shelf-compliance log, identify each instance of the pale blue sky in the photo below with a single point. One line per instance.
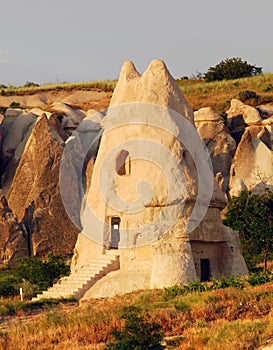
(64, 40)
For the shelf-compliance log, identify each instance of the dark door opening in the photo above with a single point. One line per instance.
(205, 270)
(115, 234)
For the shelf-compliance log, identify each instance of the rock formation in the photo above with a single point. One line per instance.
(150, 186)
(16, 131)
(13, 240)
(220, 144)
(71, 117)
(34, 195)
(252, 166)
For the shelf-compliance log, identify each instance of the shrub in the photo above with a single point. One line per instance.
(7, 289)
(247, 95)
(252, 214)
(31, 84)
(42, 273)
(15, 105)
(268, 88)
(137, 333)
(231, 68)
(9, 283)
(255, 279)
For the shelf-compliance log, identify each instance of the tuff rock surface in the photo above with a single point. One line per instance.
(34, 195)
(166, 254)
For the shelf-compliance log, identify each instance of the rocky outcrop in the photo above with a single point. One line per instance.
(252, 166)
(34, 195)
(70, 117)
(221, 146)
(141, 205)
(93, 98)
(13, 238)
(240, 111)
(239, 116)
(17, 128)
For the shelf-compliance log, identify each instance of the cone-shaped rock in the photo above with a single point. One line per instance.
(34, 196)
(153, 199)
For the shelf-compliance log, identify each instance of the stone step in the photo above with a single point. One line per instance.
(81, 280)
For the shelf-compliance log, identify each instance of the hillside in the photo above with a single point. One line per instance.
(231, 318)
(198, 93)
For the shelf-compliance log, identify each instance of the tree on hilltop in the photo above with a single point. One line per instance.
(231, 68)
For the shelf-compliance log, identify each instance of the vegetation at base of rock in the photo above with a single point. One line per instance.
(42, 273)
(252, 215)
(231, 68)
(241, 318)
(137, 332)
(33, 275)
(9, 282)
(255, 278)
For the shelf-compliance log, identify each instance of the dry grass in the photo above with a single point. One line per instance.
(218, 94)
(198, 93)
(106, 85)
(223, 319)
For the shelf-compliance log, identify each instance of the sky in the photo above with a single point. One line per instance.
(63, 40)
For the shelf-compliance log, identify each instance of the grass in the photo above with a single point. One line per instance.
(220, 319)
(197, 92)
(106, 85)
(218, 94)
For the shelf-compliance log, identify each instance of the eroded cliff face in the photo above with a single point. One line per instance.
(34, 196)
(13, 237)
(31, 147)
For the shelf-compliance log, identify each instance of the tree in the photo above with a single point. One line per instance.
(252, 215)
(231, 68)
(42, 273)
(137, 334)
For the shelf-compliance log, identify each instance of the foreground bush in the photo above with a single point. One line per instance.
(137, 333)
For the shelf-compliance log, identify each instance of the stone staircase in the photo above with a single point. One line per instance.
(78, 282)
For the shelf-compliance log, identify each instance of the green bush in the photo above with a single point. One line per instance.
(42, 273)
(231, 68)
(9, 283)
(196, 286)
(247, 95)
(137, 334)
(7, 289)
(255, 279)
(15, 105)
